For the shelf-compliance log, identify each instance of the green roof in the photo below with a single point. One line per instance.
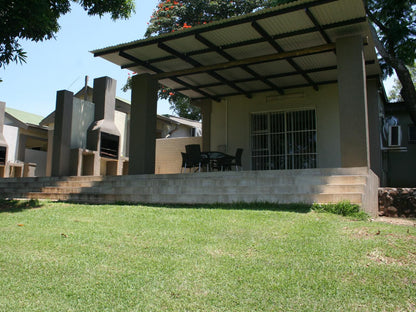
(25, 117)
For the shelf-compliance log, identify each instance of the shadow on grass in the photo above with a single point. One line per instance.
(11, 205)
(295, 207)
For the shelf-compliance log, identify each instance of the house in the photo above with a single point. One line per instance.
(182, 127)
(25, 143)
(399, 146)
(296, 86)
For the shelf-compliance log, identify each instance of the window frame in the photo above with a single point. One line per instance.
(287, 157)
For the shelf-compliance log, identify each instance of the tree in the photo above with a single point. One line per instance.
(181, 105)
(172, 15)
(38, 21)
(394, 94)
(394, 30)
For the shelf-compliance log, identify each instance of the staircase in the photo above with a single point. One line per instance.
(358, 185)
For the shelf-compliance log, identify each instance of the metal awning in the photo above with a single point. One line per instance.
(289, 46)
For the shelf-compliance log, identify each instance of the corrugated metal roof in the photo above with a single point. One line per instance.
(294, 27)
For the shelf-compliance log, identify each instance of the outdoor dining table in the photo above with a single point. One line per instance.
(217, 160)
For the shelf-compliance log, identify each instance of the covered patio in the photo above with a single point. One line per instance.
(304, 45)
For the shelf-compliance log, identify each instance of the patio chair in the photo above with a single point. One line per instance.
(228, 163)
(193, 156)
(183, 167)
(237, 159)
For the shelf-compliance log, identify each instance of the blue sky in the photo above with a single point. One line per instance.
(62, 64)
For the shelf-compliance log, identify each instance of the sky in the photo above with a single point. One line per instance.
(63, 63)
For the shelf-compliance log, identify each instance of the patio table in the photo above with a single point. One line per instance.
(217, 160)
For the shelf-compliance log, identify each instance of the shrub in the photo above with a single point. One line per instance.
(343, 208)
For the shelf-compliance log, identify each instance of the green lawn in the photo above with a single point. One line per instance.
(69, 257)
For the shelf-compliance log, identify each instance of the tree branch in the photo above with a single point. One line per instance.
(408, 91)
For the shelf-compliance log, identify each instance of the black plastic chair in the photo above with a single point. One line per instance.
(227, 163)
(237, 159)
(193, 156)
(184, 165)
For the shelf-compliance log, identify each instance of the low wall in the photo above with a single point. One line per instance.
(397, 202)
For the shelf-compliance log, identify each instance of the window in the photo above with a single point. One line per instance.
(412, 134)
(283, 140)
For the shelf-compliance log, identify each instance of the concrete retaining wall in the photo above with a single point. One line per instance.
(286, 186)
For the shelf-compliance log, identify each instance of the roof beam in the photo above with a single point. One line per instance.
(159, 71)
(317, 25)
(249, 61)
(197, 64)
(299, 86)
(139, 62)
(262, 32)
(229, 57)
(281, 75)
(287, 88)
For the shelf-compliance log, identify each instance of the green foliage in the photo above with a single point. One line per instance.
(180, 104)
(171, 15)
(343, 208)
(396, 27)
(38, 21)
(394, 31)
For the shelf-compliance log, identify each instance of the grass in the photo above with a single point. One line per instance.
(69, 257)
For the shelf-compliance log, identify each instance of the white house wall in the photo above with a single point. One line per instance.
(181, 132)
(230, 127)
(11, 134)
(120, 119)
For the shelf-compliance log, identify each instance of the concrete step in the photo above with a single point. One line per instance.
(79, 184)
(201, 180)
(185, 187)
(210, 189)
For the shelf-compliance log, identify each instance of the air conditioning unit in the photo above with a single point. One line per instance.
(395, 136)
